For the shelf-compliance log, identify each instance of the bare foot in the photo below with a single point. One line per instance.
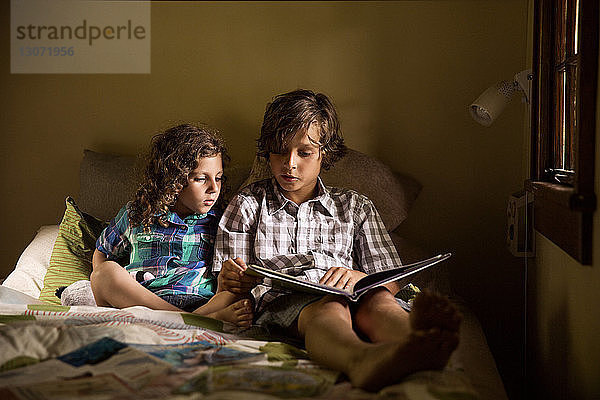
(383, 364)
(239, 313)
(430, 310)
(426, 344)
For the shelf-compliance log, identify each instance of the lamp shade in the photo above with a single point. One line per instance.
(490, 104)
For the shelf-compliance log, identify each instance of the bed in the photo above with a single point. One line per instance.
(52, 351)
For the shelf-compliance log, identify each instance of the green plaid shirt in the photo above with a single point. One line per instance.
(179, 255)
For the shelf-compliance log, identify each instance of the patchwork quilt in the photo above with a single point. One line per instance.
(58, 352)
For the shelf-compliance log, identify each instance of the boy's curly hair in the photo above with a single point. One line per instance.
(174, 153)
(293, 112)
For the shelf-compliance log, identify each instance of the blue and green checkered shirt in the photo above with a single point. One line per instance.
(179, 255)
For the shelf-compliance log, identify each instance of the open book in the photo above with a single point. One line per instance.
(361, 287)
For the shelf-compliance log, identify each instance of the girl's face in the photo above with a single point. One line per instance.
(203, 188)
(297, 168)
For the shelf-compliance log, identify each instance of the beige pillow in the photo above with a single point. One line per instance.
(393, 194)
(107, 183)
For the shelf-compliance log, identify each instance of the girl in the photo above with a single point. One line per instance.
(164, 238)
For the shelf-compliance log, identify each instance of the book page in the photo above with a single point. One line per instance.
(291, 283)
(280, 280)
(383, 277)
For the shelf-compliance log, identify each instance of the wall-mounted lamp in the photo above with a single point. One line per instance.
(491, 103)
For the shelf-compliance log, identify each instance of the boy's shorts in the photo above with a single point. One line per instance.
(279, 317)
(186, 302)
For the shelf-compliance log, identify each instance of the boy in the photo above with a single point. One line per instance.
(294, 224)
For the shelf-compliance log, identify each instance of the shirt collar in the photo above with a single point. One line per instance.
(175, 219)
(278, 201)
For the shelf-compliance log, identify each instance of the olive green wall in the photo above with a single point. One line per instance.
(401, 74)
(564, 319)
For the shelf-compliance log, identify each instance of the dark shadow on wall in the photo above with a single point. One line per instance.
(552, 350)
(483, 272)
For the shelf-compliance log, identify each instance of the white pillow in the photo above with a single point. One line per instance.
(28, 275)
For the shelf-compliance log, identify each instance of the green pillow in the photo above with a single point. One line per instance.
(71, 258)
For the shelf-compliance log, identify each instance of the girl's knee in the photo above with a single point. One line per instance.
(105, 279)
(97, 288)
(95, 279)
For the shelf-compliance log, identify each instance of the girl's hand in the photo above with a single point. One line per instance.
(341, 278)
(233, 278)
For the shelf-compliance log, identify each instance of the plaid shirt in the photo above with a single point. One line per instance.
(338, 228)
(177, 255)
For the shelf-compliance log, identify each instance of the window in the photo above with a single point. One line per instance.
(563, 122)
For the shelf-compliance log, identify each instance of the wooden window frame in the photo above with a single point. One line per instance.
(564, 213)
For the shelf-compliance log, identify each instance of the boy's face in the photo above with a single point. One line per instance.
(297, 168)
(203, 188)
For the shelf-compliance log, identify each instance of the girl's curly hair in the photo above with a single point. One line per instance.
(174, 153)
(293, 112)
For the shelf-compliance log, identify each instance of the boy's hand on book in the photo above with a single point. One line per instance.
(233, 278)
(341, 278)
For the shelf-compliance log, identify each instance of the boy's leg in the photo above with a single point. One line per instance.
(113, 286)
(382, 319)
(229, 307)
(326, 327)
